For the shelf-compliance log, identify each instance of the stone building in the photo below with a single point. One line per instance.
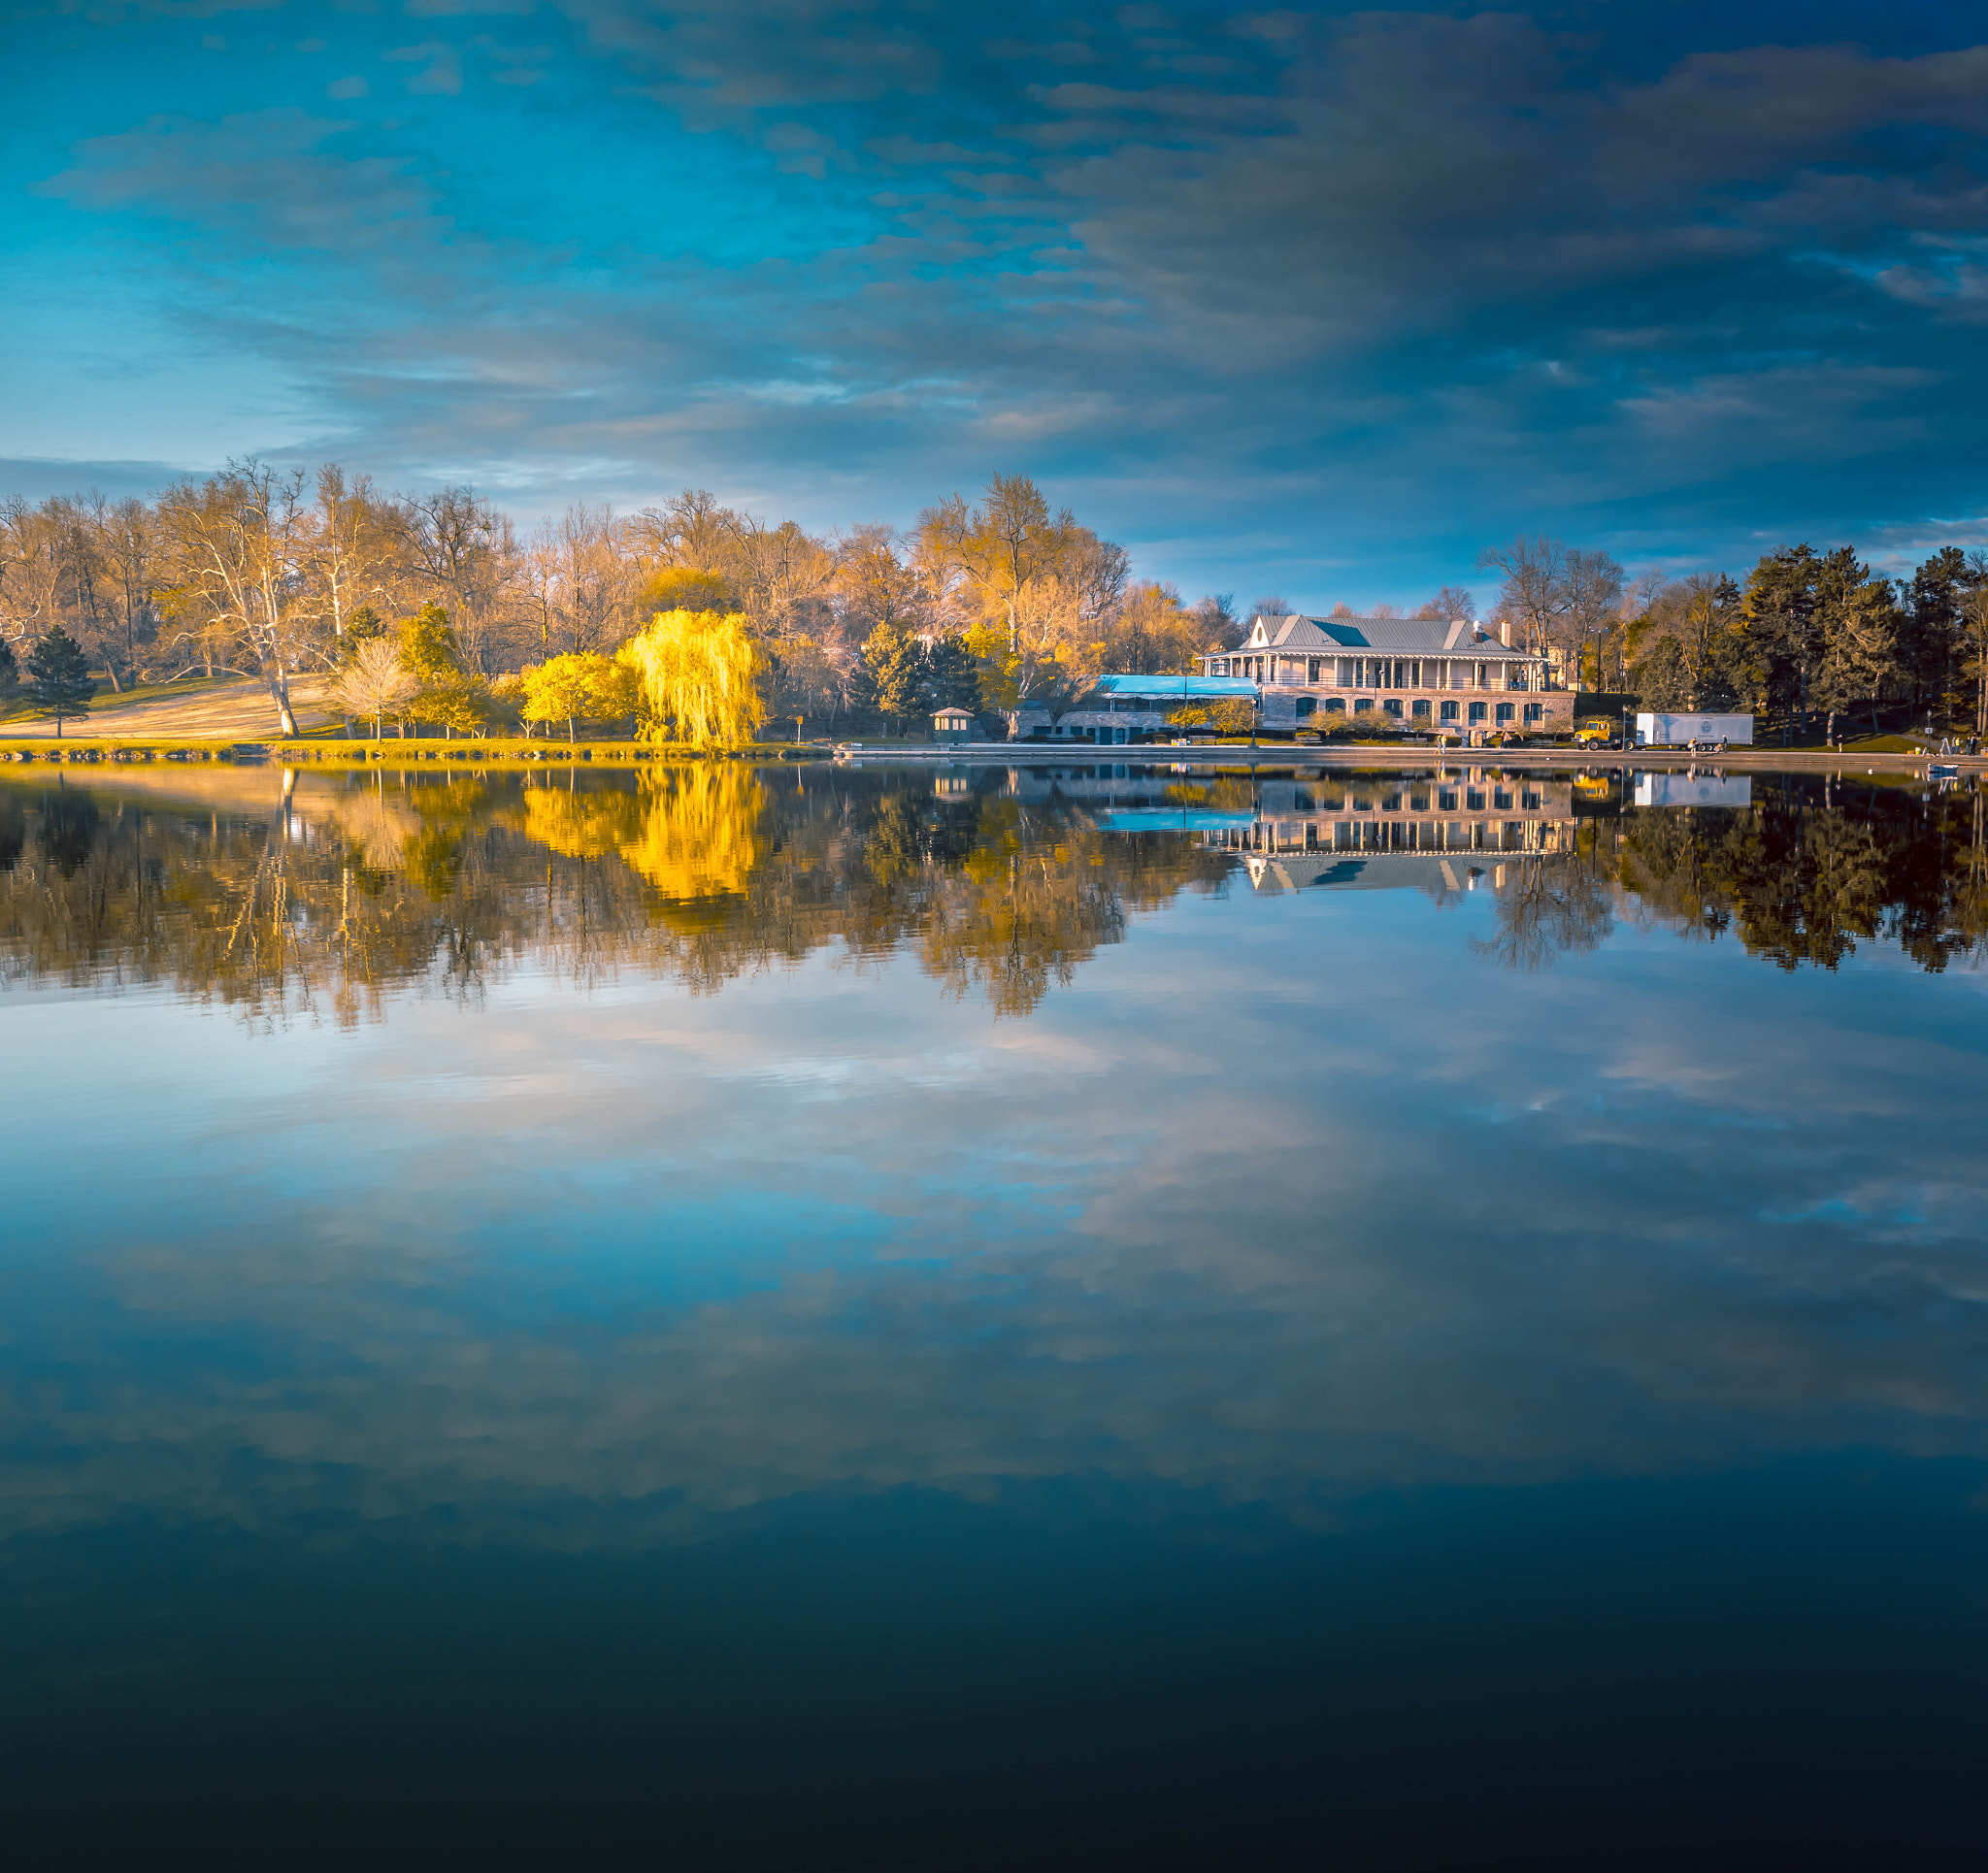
(1439, 673)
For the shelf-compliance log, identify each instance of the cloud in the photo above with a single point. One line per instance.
(441, 74)
(1434, 277)
(601, 1291)
(264, 174)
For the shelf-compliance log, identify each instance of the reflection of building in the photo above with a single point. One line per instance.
(1118, 711)
(1334, 829)
(1432, 672)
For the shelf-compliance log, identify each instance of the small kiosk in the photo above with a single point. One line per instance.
(954, 725)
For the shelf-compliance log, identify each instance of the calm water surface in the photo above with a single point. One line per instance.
(848, 1317)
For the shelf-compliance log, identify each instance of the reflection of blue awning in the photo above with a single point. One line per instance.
(1193, 688)
(1181, 819)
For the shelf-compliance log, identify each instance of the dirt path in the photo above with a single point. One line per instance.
(226, 711)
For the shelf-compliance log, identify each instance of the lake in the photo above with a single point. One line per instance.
(902, 1315)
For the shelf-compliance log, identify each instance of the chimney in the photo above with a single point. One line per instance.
(1504, 631)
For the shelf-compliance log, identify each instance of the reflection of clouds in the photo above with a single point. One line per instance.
(817, 1234)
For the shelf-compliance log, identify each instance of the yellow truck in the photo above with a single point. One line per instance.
(1595, 732)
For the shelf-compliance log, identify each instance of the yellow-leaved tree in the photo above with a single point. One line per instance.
(698, 673)
(582, 686)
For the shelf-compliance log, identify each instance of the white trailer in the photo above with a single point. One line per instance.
(1697, 732)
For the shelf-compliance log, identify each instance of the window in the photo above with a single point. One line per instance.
(1306, 706)
(1335, 705)
(1362, 705)
(1421, 708)
(1393, 706)
(1536, 711)
(1445, 802)
(1473, 800)
(1312, 669)
(1530, 801)
(1505, 711)
(1501, 798)
(1449, 712)
(1476, 711)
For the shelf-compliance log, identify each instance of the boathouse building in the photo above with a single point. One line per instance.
(1447, 674)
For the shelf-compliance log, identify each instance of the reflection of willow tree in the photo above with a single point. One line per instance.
(1807, 871)
(356, 887)
(1550, 903)
(996, 895)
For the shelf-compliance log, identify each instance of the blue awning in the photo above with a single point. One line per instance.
(1159, 819)
(1206, 689)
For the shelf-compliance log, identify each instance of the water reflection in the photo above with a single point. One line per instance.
(278, 895)
(330, 893)
(1318, 1234)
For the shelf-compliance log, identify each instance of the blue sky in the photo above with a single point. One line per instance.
(1317, 301)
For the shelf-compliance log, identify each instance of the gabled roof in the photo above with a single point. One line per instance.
(1415, 636)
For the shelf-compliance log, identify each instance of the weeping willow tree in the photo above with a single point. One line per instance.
(699, 674)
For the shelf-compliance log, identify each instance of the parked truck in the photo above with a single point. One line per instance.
(1702, 734)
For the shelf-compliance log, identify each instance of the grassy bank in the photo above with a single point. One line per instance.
(332, 753)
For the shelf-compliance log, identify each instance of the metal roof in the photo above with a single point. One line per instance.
(1416, 636)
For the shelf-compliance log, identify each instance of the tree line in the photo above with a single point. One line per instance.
(439, 609)
(1807, 638)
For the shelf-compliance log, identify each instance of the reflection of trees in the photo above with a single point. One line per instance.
(1550, 903)
(355, 887)
(1807, 871)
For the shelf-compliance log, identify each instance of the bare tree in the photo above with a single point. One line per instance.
(466, 554)
(1451, 601)
(240, 545)
(353, 554)
(1590, 600)
(1009, 542)
(1216, 619)
(1532, 595)
(375, 683)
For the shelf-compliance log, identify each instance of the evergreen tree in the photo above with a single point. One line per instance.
(1860, 657)
(10, 672)
(430, 654)
(953, 673)
(362, 627)
(1934, 622)
(894, 672)
(1782, 630)
(428, 650)
(59, 679)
